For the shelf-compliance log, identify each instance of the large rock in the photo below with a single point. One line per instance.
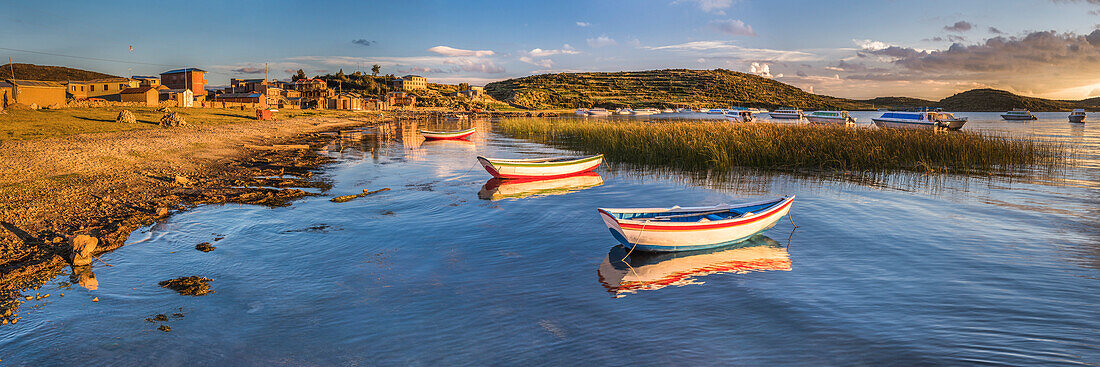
(172, 119)
(83, 247)
(126, 117)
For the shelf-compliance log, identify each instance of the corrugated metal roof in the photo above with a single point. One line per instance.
(5, 85)
(238, 95)
(104, 80)
(183, 71)
(35, 83)
(137, 90)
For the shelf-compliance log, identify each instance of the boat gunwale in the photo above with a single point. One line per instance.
(779, 203)
(538, 162)
(429, 132)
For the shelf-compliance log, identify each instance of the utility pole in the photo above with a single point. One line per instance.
(12, 67)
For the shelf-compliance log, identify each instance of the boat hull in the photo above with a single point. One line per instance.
(902, 124)
(785, 116)
(1077, 119)
(1019, 117)
(683, 236)
(448, 135)
(515, 169)
(827, 121)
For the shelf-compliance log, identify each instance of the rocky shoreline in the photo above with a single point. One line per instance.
(45, 223)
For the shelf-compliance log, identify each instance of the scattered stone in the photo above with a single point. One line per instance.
(205, 247)
(83, 246)
(33, 106)
(164, 109)
(158, 317)
(172, 119)
(95, 299)
(162, 211)
(188, 286)
(165, 328)
(347, 198)
(126, 117)
(183, 180)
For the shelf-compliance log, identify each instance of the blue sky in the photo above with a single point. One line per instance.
(851, 48)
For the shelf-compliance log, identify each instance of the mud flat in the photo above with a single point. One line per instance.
(106, 185)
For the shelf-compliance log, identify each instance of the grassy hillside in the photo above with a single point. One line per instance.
(659, 88)
(999, 100)
(44, 72)
(898, 102)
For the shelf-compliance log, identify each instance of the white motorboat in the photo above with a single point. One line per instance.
(742, 116)
(1077, 116)
(645, 111)
(599, 112)
(919, 120)
(786, 114)
(1018, 114)
(830, 118)
(624, 111)
(716, 111)
(581, 112)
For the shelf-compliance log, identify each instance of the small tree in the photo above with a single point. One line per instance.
(374, 69)
(301, 75)
(463, 86)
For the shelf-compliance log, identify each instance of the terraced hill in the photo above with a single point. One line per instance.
(50, 73)
(999, 100)
(659, 88)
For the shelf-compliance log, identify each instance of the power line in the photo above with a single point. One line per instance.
(87, 58)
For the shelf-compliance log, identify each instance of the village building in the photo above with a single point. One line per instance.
(149, 96)
(182, 97)
(373, 104)
(255, 98)
(187, 78)
(147, 80)
(107, 88)
(409, 82)
(313, 92)
(344, 101)
(400, 99)
(474, 92)
(37, 92)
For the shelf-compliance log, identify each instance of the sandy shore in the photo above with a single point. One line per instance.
(106, 185)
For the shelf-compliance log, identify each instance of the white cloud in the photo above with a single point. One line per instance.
(583, 24)
(474, 65)
(566, 49)
(544, 63)
(600, 41)
(726, 49)
(734, 27)
(760, 69)
(451, 51)
(871, 45)
(701, 60)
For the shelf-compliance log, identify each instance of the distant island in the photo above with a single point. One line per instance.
(675, 88)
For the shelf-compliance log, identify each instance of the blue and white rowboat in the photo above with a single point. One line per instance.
(685, 229)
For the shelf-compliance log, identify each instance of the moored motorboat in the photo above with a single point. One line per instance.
(668, 110)
(447, 135)
(716, 111)
(830, 118)
(786, 114)
(742, 116)
(498, 189)
(1077, 116)
(599, 112)
(696, 228)
(624, 274)
(919, 120)
(540, 167)
(1018, 114)
(581, 112)
(624, 111)
(645, 111)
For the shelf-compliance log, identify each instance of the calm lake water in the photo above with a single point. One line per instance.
(447, 270)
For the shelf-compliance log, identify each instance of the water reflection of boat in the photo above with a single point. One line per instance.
(499, 189)
(622, 274)
(687, 229)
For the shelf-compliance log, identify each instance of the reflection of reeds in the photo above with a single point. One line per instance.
(703, 145)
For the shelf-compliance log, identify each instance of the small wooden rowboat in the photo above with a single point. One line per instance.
(447, 135)
(685, 229)
(540, 167)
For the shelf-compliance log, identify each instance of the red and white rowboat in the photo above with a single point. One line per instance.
(539, 167)
(685, 229)
(447, 135)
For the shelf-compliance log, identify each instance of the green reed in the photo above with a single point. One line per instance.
(709, 145)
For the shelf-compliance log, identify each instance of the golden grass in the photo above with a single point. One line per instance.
(42, 124)
(707, 145)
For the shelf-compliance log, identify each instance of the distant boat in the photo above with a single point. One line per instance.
(456, 117)
(1077, 116)
(646, 111)
(686, 229)
(498, 189)
(447, 135)
(581, 112)
(830, 118)
(743, 116)
(716, 111)
(624, 111)
(599, 112)
(920, 120)
(648, 271)
(540, 167)
(786, 114)
(668, 110)
(1018, 114)
(684, 110)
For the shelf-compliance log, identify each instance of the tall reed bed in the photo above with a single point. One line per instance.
(705, 144)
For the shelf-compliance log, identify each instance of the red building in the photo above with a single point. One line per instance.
(189, 78)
